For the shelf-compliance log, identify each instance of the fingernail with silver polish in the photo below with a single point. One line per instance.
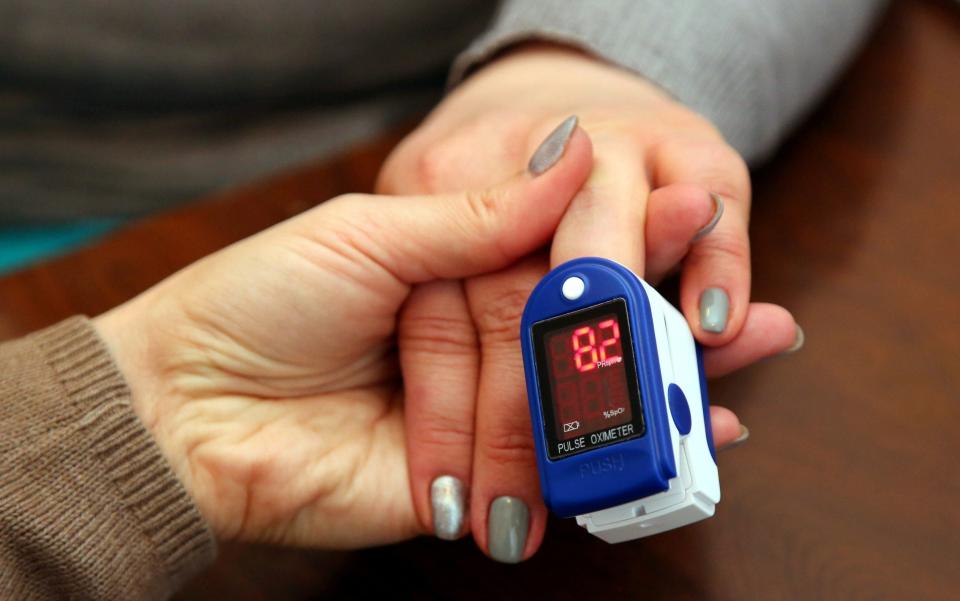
(714, 307)
(739, 440)
(551, 149)
(798, 341)
(717, 214)
(447, 500)
(507, 529)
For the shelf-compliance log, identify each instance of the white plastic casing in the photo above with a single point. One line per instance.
(695, 491)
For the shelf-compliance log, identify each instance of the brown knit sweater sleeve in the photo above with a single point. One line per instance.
(89, 509)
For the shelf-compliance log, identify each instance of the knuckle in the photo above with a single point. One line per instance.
(509, 445)
(732, 176)
(729, 247)
(439, 429)
(432, 166)
(484, 208)
(443, 160)
(498, 319)
(442, 335)
(399, 172)
(716, 165)
(726, 172)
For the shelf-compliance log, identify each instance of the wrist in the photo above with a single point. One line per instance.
(139, 354)
(123, 332)
(116, 477)
(549, 67)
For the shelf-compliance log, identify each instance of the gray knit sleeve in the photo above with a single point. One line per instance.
(753, 67)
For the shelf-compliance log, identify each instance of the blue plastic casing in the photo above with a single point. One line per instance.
(623, 471)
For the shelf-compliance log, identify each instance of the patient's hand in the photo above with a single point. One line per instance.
(666, 193)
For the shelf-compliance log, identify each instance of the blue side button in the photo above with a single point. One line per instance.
(679, 409)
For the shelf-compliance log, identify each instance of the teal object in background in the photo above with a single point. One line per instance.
(21, 245)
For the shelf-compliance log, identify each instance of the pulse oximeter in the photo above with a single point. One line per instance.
(618, 402)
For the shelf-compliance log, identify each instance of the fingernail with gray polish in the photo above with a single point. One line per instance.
(507, 529)
(798, 341)
(739, 440)
(551, 149)
(447, 500)
(717, 214)
(714, 307)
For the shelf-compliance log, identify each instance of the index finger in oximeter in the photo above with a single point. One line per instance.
(618, 403)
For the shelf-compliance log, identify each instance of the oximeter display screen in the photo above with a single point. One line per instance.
(588, 378)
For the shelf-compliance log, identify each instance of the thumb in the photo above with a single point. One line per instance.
(423, 238)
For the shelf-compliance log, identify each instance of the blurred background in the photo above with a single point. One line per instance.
(114, 110)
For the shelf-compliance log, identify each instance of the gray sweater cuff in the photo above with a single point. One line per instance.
(753, 67)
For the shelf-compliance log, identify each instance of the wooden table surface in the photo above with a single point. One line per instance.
(849, 487)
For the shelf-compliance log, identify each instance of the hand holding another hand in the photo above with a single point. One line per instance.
(661, 179)
(267, 372)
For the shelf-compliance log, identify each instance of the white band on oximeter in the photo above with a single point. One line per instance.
(618, 403)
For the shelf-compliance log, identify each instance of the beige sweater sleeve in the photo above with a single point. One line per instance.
(89, 509)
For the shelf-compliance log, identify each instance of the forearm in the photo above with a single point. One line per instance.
(752, 67)
(88, 506)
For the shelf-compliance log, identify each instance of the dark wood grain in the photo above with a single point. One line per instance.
(849, 487)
